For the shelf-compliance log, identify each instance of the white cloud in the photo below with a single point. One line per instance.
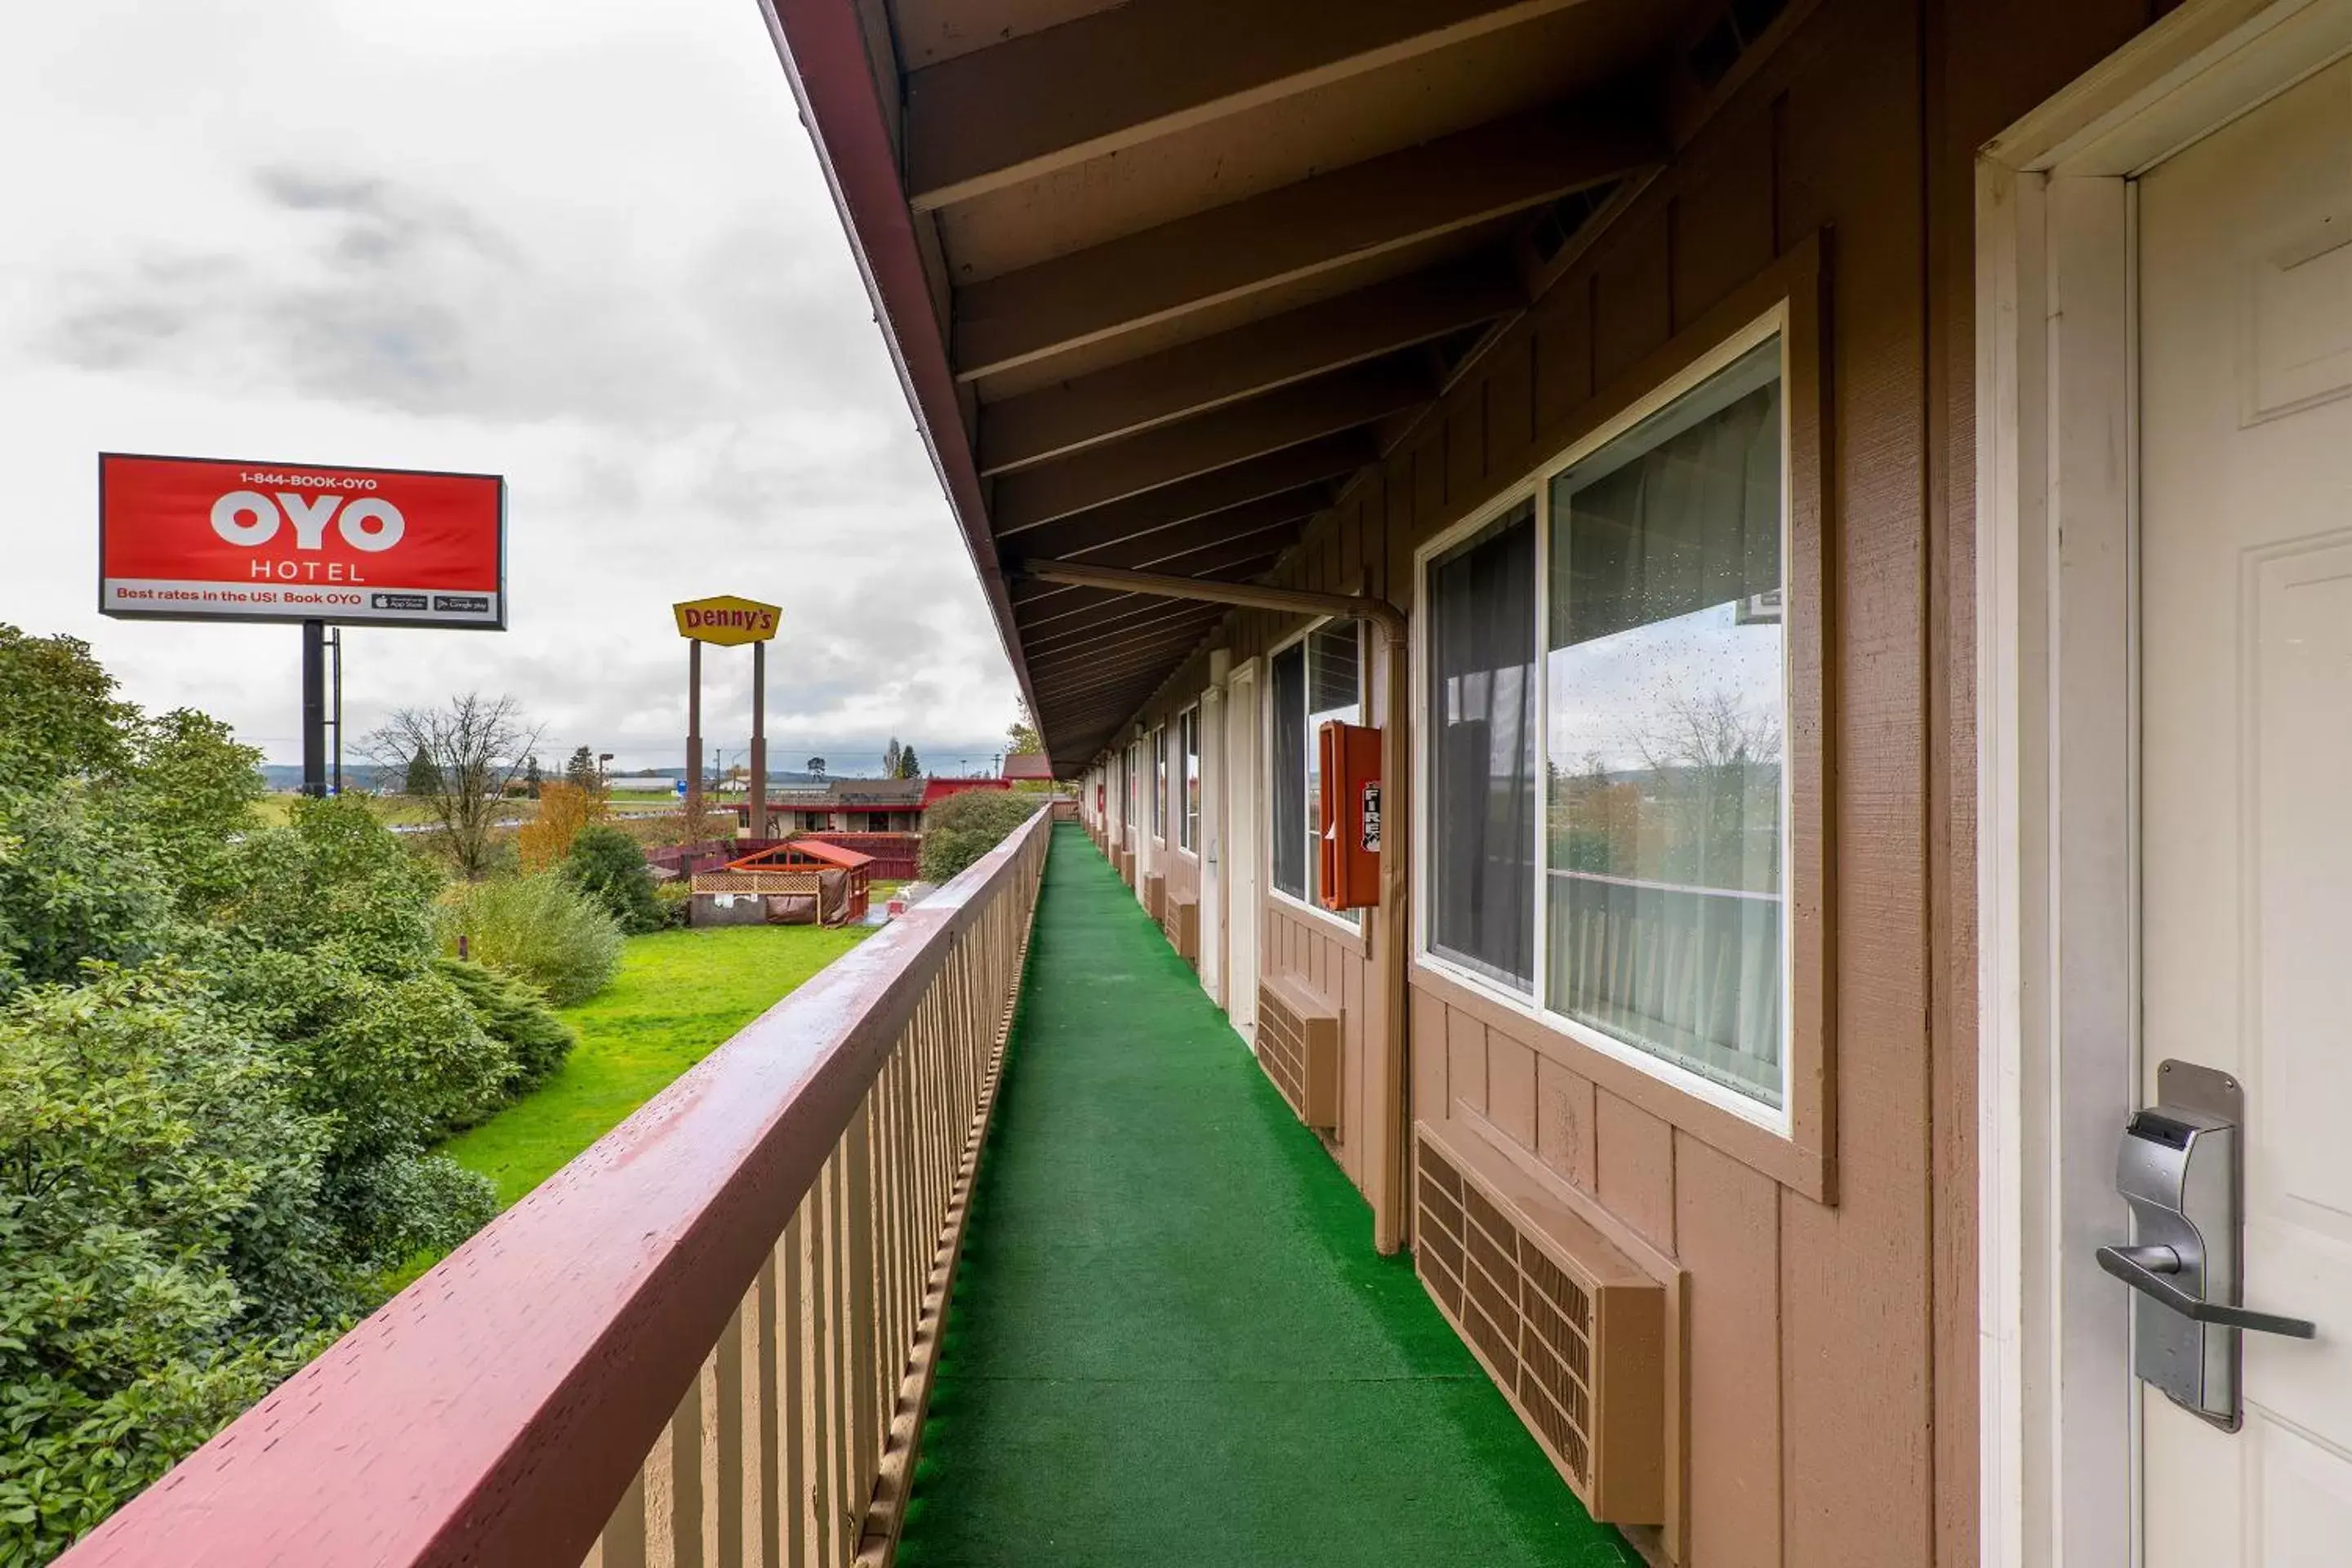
(584, 244)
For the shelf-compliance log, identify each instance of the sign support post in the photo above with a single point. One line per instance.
(693, 738)
(758, 817)
(730, 621)
(314, 708)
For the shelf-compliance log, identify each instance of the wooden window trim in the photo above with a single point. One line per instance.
(1801, 1154)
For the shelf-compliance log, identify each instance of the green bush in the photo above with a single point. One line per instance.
(513, 1013)
(610, 865)
(677, 900)
(542, 929)
(160, 1268)
(226, 1052)
(964, 827)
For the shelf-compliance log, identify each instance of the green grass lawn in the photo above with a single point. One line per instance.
(679, 996)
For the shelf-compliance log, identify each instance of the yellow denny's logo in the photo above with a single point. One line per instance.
(727, 619)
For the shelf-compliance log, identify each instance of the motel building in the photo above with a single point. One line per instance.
(1829, 525)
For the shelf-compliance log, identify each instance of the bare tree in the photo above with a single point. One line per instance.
(477, 746)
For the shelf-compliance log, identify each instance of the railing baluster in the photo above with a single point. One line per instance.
(799, 1402)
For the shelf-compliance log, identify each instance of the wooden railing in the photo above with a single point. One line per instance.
(708, 1341)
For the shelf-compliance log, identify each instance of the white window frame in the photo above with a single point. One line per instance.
(1536, 485)
(1159, 785)
(1348, 922)
(1188, 826)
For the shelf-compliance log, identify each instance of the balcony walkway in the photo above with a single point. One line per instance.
(1171, 1342)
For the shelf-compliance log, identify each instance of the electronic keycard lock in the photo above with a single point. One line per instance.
(2180, 1169)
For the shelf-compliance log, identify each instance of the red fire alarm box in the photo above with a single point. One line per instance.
(1350, 863)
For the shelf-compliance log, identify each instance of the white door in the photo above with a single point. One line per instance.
(1243, 796)
(2245, 632)
(1212, 849)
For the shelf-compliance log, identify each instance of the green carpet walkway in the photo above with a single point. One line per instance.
(1170, 1340)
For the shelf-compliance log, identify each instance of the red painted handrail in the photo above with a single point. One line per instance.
(495, 1410)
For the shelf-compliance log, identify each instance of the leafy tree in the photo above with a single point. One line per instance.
(579, 770)
(610, 865)
(563, 810)
(890, 756)
(61, 718)
(1021, 735)
(76, 886)
(189, 795)
(816, 767)
(475, 745)
(964, 826)
(531, 780)
(423, 779)
(909, 766)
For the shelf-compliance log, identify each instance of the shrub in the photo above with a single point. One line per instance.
(677, 900)
(964, 827)
(542, 929)
(536, 1039)
(608, 864)
(156, 1258)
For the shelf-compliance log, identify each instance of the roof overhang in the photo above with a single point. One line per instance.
(1162, 279)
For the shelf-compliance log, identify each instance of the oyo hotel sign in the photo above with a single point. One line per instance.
(727, 619)
(199, 539)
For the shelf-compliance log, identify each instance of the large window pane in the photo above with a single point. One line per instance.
(1160, 784)
(1667, 710)
(1481, 752)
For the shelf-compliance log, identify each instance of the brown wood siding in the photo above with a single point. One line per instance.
(1830, 1395)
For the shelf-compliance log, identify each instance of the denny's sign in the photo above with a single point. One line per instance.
(726, 619)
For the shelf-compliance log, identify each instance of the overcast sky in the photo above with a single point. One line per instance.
(582, 243)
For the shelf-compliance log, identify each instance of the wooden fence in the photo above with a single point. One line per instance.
(709, 1340)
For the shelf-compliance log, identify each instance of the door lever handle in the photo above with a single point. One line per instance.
(2147, 1269)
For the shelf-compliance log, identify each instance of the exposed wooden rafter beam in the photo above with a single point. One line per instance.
(1331, 457)
(1344, 400)
(1097, 84)
(1328, 336)
(1279, 516)
(1300, 230)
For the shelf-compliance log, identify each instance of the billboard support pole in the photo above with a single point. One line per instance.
(335, 641)
(693, 738)
(314, 708)
(758, 817)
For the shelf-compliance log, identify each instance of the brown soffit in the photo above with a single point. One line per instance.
(1241, 361)
(1095, 85)
(1294, 231)
(1344, 400)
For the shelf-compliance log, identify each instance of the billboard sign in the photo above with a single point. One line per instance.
(197, 539)
(727, 619)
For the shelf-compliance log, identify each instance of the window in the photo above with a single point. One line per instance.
(1651, 575)
(1481, 751)
(1187, 742)
(1314, 681)
(1160, 784)
(1134, 765)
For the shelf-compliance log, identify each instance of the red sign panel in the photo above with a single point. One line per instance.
(195, 538)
